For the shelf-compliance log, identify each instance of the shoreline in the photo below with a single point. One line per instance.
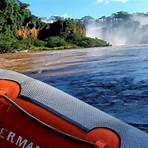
(40, 49)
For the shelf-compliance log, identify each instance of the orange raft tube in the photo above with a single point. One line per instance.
(26, 124)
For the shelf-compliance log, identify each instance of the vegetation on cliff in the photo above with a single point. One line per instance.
(19, 30)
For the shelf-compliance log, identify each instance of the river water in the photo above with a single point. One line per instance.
(113, 79)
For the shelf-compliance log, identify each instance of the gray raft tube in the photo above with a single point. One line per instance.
(76, 111)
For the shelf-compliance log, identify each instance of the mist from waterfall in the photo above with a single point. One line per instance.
(120, 28)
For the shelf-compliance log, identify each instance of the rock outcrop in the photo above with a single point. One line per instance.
(25, 32)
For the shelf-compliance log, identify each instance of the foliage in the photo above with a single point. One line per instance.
(56, 41)
(62, 33)
(5, 46)
(6, 40)
(62, 27)
(9, 45)
(91, 42)
(82, 41)
(14, 14)
(39, 43)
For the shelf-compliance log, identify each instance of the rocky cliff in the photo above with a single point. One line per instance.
(25, 32)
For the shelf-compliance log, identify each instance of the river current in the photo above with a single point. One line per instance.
(113, 79)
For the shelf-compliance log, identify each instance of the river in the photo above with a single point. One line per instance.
(113, 79)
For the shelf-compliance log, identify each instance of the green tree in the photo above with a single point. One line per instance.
(55, 41)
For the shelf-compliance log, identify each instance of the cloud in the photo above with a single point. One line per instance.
(100, 1)
(65, 15)
(107, 1)
(122, 1)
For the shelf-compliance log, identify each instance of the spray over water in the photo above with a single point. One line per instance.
(120, 28)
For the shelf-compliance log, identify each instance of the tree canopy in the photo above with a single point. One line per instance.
(19, 29)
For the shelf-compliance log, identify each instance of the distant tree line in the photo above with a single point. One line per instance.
(16, 21)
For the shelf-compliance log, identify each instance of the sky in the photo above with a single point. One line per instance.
(80, 8)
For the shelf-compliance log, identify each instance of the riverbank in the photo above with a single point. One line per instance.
(37, 61)
(53, 43)
(40, 49)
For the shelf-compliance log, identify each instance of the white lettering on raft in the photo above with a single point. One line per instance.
(19, 141)
(2, 131)
(10, 137)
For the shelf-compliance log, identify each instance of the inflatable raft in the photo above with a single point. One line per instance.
(36, 115)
